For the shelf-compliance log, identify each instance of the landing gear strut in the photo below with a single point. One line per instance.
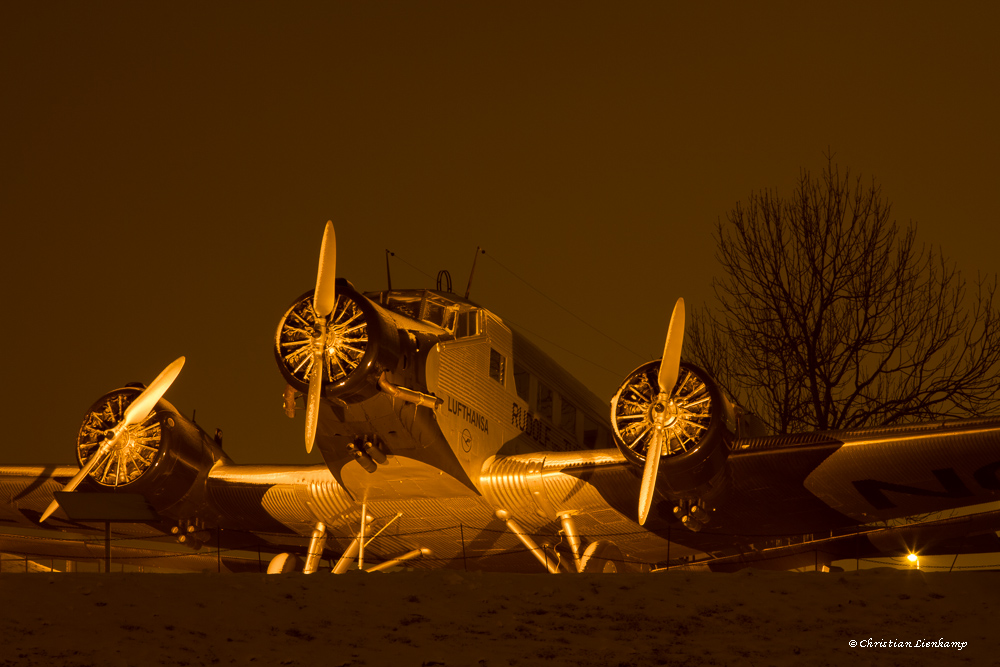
(550, 562)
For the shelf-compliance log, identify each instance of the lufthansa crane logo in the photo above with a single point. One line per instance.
(466, 440)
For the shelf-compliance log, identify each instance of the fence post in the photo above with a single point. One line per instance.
(461, 532)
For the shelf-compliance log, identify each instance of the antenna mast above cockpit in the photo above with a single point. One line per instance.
(473, 271)
(388, 274)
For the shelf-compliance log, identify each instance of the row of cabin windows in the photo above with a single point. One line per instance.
(555, 409)
(463, 321)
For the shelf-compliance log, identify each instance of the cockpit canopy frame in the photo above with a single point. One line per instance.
(444, 310)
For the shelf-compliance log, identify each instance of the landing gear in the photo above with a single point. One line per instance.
(572, 537)
(601, 556)
(356, 548)
(316, 544)
(542, 553)
(284, 563)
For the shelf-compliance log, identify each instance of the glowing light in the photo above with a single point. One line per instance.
(912, 558)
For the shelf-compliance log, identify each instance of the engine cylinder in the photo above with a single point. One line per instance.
(696, 440)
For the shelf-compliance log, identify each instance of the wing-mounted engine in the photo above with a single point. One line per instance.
(695, 440)
(670, 419)
(351, 347)
(165, 457)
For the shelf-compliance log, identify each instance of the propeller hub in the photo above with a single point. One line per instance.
(116, 438)
(664, 412)
(125, 441)
(121, 451)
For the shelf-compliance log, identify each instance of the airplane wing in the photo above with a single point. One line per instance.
(971, 533)
(189, 542)
(237, 518)
(831, 491)
(548, 496)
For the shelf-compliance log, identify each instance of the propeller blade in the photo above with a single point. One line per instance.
(312, 400)
(325, 297)
(670, 366)
(53, 506)
(649, 474)
(78, 477)
(324, 301)
(140, 408)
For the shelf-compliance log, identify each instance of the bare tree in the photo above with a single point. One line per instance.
(831, 316)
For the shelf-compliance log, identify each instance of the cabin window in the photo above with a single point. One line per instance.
(466, 324)
(544, 401)
(567, 416)
(497, 365)
(593, 434)
(522, 382)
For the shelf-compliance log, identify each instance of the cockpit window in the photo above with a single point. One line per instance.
(405, 304)
(427, 306)
(440, 315)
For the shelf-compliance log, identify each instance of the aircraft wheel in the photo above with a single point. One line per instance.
(283, 563)
(603, 557)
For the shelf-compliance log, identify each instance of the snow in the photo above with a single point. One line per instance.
(474, 619)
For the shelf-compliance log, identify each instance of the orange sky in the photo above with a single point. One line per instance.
(167, 173)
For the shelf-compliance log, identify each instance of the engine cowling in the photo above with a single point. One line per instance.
(360, 343)
(694, 453)
(166, 457)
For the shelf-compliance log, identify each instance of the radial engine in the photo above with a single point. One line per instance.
(695, 426)
(354, 346)
(165, 457)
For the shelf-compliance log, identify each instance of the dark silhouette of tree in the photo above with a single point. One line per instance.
(832, 317)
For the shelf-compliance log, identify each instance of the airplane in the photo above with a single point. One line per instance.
(449, 440)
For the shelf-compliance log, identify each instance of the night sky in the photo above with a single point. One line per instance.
(167, 171)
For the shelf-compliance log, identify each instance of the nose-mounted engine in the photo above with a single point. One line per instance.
(351, 346)
(691, 422)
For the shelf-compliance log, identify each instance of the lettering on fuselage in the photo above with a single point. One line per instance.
(538, 430)
(952, 486)
(469, 415)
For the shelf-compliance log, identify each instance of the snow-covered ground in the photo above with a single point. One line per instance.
(471, 619)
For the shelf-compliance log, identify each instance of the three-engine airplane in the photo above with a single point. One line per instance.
(450, 440)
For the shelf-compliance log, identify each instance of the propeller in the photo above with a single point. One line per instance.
(136, 413)
(664, 411)
(324, 301)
